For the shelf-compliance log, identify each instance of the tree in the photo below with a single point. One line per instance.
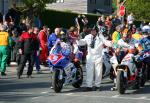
(35, 7)
(140, 9)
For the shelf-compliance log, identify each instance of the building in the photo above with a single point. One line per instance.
(82, 6)
(7, 4)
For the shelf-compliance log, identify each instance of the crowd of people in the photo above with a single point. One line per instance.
(21, 42)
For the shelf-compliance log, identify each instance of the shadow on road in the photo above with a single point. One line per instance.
(12, 91)
(144, 90)
(9, 87)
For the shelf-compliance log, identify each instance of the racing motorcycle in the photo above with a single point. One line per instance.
(107, 65)
(144, 56)
(130, 78)
(64, 70)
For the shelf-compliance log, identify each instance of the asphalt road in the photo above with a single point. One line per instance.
(37, 90)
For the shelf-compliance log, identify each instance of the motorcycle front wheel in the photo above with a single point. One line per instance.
(120, 82)
(57, 83)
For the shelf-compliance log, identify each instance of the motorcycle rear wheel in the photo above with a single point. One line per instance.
(79, 74)
(144, 77)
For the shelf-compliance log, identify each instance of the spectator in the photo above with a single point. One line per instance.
(73, 36)
(53, 37)
(108, 24)
(85, 20)
(28, 45)
(23, 26)
(37, 21)
(37, 56)
(1, 17)
(116, 21)
(10, 49)
(48, 33)
(100, 22)
(84, 48)
(15, 38)
(13, 15)
(79, 22)
(116, 36)
(130, 20)
(4, 42)
(43, 45)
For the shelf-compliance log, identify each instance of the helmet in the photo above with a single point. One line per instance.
(94, 27)
(146, 31)
(103, 29)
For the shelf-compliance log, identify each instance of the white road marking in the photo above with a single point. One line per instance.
(16, 93)
(112, 97)
(144, 97)
(37, 97)
(69, 94)
(115, 96)
(34, 97)
(44, 92)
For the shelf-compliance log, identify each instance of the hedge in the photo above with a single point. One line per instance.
(64, 19)
(53, 18)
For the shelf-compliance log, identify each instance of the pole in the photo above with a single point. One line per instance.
(117, 2)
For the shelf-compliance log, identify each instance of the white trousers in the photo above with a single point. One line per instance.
(93, 73)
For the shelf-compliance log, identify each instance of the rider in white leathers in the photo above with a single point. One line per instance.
(94, 59)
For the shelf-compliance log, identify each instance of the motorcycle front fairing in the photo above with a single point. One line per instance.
(59, 57)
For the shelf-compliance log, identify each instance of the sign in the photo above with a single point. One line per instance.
(122, 11)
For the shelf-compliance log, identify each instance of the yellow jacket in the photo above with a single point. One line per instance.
(4, 38)
(137, 36)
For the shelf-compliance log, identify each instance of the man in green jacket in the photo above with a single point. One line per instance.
(4, 42)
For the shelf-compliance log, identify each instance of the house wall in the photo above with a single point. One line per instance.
(99, 4)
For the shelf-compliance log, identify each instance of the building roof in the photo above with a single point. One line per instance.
(79, 6)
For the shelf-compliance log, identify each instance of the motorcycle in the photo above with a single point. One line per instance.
(144, 56)
(125, 77)
(107, 66)
(64, 70)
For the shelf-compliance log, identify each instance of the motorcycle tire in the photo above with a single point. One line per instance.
(79, 74)
(120, 82)
(57, 84)
(144, 77)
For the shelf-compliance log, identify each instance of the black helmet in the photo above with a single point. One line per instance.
(94, 27)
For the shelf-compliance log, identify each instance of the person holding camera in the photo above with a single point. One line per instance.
(94, 59)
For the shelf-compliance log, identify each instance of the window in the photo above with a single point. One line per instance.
(59, 1)
(92, 1)
(107, 2)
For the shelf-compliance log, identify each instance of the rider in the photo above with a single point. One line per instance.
(145, 43)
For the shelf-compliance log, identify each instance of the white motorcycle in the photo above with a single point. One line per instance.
(107, 65)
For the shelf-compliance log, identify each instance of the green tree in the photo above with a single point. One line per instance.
(140, 9)
(34, 7)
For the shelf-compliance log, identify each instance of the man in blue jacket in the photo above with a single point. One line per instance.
(53, 37)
